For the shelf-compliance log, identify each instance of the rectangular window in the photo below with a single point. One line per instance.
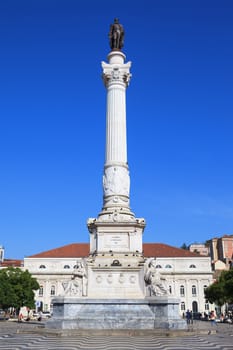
(41, 291)
(194, 291)
(182, 306)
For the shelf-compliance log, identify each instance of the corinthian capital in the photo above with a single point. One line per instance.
(116, 74)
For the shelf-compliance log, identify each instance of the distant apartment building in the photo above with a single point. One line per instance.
(221, 249)
(199, 248)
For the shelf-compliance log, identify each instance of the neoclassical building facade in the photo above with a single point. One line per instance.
(187, 274)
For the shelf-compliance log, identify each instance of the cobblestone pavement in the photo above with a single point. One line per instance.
(14, 336)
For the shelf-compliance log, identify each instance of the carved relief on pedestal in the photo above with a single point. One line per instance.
(116, 181)
(121, 278)
(132, 279)
(117, 216)
(116, 201)
(99, 279)
(110, 278)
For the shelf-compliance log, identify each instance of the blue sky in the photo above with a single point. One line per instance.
(52, 119)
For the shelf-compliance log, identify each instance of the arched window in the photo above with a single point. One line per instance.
(170, 289)
(66, 266)
(182, 306)
(192, 266)
(41, 291)
(168, 266)
(158, 266)
(52, 291)
(194, 291)
(195, 306)
(182, 291)
(42, 267)
(204, 288)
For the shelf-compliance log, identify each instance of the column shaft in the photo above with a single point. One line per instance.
(116, 144)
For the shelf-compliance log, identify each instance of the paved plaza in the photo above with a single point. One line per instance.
(14, 336)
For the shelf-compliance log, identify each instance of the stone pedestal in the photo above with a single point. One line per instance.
(116, 234)
(116, 264)
(149, 313)
(117, 276)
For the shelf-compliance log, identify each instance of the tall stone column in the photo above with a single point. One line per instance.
(116, 229)
(116, 180)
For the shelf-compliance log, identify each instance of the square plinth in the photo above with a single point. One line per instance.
(153, 313)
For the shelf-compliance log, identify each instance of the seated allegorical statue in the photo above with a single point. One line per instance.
(77, 286)
(155, 282)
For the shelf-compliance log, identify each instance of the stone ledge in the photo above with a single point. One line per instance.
(148, 300)
(113, 332)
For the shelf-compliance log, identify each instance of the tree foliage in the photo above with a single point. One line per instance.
(184, 246)
(17, 288)
(221, 291)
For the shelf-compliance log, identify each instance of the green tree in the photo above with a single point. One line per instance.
(184, 246)
(17, 288)
(221, 291)
(227, 278)
(214, 294)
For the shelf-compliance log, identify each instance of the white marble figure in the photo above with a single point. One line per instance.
(77, 286)
(156, 284)
(73, 287)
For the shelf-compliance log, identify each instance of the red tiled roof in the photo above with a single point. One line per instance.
(73, 250)
(11, 262)
(81, 250)
(162, 250)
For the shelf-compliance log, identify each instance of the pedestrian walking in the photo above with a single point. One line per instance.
(213, 318)
(188, 317)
